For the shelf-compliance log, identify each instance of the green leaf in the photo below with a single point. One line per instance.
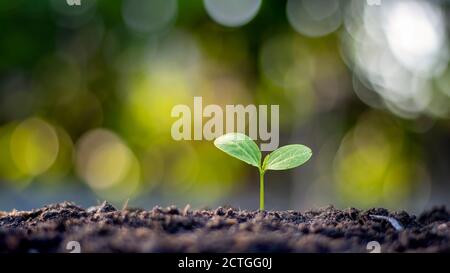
(241, 147)
(287, 157)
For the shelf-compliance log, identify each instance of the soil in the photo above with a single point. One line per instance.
(105, 229)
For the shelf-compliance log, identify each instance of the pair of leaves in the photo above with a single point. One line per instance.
(244, 148)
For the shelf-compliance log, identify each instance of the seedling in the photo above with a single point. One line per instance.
(244, 148)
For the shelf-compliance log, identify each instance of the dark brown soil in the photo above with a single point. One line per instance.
(105, 229)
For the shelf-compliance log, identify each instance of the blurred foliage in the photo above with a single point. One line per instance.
(86, 92)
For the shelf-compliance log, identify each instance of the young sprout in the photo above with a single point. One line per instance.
(244, 148)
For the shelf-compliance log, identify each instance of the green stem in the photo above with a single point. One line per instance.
(261, 190)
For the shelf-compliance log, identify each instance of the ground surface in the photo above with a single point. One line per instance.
(105, 229)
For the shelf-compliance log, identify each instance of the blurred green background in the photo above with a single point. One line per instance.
(86, 94)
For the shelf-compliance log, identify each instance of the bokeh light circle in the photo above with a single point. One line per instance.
(374, 167)
(314, 18)
(380, 45)
(404, 22)
(34, 146)
(149, 15)
(232, 13)
(105, 162)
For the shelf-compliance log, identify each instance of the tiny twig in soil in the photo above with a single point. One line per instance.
(397, 226)
(125, 205)
(186, 209)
